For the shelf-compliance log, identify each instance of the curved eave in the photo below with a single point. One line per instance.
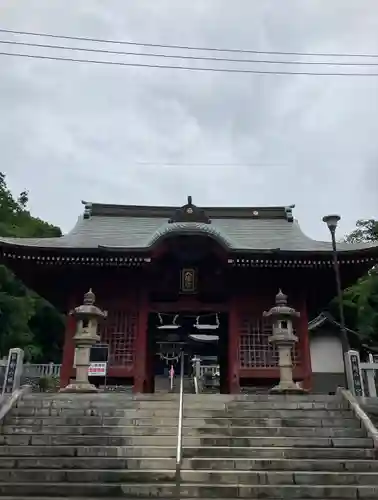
(370, 252)
(346, 255)
(358, 264)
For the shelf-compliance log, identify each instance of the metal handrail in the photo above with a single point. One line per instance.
(179, 430)
(196, 385)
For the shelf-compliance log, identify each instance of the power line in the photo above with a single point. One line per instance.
(185, 68)
(199, 164)
(186, 47)
(176, 56)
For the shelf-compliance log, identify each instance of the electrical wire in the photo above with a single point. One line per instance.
(186, 68)
(176, 56)
(199, 164)
(186, 47)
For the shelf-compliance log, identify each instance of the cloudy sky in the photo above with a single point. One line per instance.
(130, 135)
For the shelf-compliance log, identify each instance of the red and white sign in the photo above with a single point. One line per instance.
(97, 370)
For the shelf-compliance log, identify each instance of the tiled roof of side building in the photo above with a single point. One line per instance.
(140, 228)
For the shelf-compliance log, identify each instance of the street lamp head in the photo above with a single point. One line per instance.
(331, 221)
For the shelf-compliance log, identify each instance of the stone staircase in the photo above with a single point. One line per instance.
(116, 445)
(163, 385)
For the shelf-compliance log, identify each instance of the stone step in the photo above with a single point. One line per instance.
(231, 431)
(199, 441)
(112, 430)
(188, 412)
(89, 451)
(187, 421)
(189, 397)
(153, 490)
(209, 452)
(280, 405)
(167, 463)
(189, 476)
(279, 452)
(191, 405)
(134, 498)
(280, 464)
(102, 463)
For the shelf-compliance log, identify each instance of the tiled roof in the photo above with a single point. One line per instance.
(138, 228)
(326, 318)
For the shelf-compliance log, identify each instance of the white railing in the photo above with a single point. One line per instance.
(369, 371)
(212, 369)
(208, 364)
(41, 370)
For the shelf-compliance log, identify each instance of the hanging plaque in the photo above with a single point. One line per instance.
(188, 280)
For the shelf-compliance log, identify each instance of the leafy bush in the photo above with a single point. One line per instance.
(48, 384)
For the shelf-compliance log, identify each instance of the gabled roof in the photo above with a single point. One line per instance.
(325, 318)
(137, 228)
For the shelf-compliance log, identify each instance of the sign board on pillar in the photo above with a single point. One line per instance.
(97, 370)
(353, 373)
(13, 370)
(98, 359)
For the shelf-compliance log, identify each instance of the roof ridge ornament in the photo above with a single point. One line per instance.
(190, 213)
(289, 213)
(87, 209)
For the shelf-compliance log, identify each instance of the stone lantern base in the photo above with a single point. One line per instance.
(80, 388)
(287, 388)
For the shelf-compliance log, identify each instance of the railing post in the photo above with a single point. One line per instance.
(179, 431)
(369, 368)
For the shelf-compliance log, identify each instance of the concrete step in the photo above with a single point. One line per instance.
(279, 452)
(216, 464)
(279, 405)
(351, 422)
(102, 463)
(91, 430)
(188, 412)
(280, 464)
(199, 441)
(89, 451)
(189, 476)
(153, 490)
(209, 452)
(188, 397)
(208, 431)
(190, 405)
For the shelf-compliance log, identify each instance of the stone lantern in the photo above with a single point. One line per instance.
(284, 339)
(87, 318)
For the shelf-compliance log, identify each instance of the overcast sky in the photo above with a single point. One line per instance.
(72, 131)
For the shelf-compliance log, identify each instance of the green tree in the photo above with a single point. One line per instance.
(361, 300)
(15, 218)
(26, 319)
(366, 231)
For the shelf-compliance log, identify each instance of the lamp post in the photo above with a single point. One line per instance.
(332, 221)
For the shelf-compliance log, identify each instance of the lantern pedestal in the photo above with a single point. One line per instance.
(285, 345)
(83, 349)
(77, 388)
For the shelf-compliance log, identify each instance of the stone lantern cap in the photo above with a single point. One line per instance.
(281, 310)
(88, 308)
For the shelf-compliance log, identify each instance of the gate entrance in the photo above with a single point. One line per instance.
(169, 334)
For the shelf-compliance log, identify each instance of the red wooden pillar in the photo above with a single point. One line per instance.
(233, 349)
(141, 346)
(68, 351)
(305, 346)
